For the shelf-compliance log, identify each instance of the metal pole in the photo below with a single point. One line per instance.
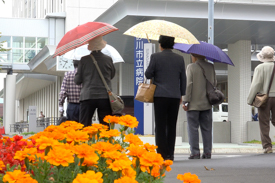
(211, 21)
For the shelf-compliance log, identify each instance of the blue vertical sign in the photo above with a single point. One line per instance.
(139, 76)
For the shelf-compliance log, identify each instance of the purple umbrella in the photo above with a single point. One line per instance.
(210, 51)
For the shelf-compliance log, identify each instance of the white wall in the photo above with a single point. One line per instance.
(83, 11)
(45, 100)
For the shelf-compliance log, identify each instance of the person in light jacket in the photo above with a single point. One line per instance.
(199, 110)
(167, 69)
(260, 84)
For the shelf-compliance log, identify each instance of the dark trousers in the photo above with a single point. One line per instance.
(202, 119)
(264, 121)
(88, 107)
(166, 115)
(73, 112)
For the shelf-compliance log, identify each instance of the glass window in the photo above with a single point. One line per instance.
(29, 54)
(224, 108)
(5, 56)
(30, 42)
(7, 43)
(41, 42)
(17, 42)
(215, 108)
(17, 55)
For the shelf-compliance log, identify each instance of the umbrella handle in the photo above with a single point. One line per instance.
(147, 38)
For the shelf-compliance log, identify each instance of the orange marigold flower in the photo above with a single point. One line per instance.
(128, 121)
(100, 126)
(57, 135)
(51, 128)
(84, 151)
(90, 176)
(40, 134)
(118, 165)
(115, 155)
(189, 178)
(90, 161)
(133, 139)
(44, 142)
(109, 134)
(2, 165)
(150, 159)
(91, 130)
(72, 125)
(14, 176)
(105, 147)
(28, 180)
(26, 153)
(125, 179)
(59, 156)
(136, 151)
(149, 147)
(155, 171)
(167, 164)
(77, 136)
(129, 172)
(111, 119)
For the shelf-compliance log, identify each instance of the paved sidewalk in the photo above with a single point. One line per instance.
(223, 148)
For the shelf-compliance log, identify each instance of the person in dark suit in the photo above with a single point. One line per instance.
(167, 69)
(93, 93)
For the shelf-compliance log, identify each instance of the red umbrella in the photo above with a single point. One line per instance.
(81, 35)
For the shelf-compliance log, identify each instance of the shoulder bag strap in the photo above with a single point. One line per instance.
(272, 76)
(100, 73)
(205, 75)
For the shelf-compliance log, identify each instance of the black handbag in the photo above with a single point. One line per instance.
(215, 96)
(116, 102)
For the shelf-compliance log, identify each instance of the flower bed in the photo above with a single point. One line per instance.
(71, 153)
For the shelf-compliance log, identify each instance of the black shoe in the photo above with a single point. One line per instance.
(169, 157)
(206, 156)
(196, 156)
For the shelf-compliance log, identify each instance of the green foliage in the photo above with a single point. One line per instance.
(1, 44)
(146, 178)
(256, 142)
(28, 133)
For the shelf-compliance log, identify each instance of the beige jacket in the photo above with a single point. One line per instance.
(260, 82)
(196, 85)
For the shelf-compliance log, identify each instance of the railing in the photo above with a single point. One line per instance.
(40, 122)
(45, 122)
(19, 127)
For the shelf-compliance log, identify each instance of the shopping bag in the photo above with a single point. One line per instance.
(145, 92)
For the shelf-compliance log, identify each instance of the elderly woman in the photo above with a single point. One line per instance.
(93, 94)
(167, 69)
(260, 84)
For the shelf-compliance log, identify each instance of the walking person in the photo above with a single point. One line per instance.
(260, 84)
(199, 110)
(93, 93)
(167, 69)
(71, 91)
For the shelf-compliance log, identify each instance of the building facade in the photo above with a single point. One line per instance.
(43, 23)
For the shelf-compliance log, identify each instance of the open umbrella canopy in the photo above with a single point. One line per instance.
(81, 51)
(81, 35)
(210, 51)
(152, 29)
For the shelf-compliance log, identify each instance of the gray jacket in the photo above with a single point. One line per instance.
(196, 85)
(261, 80)
(168, 70)
(88, 76)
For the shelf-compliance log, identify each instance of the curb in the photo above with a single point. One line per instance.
(223, 150)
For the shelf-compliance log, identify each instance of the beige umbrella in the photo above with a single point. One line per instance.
(152, 29)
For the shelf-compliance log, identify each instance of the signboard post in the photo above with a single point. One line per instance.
(143, 111)
(32, 119)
